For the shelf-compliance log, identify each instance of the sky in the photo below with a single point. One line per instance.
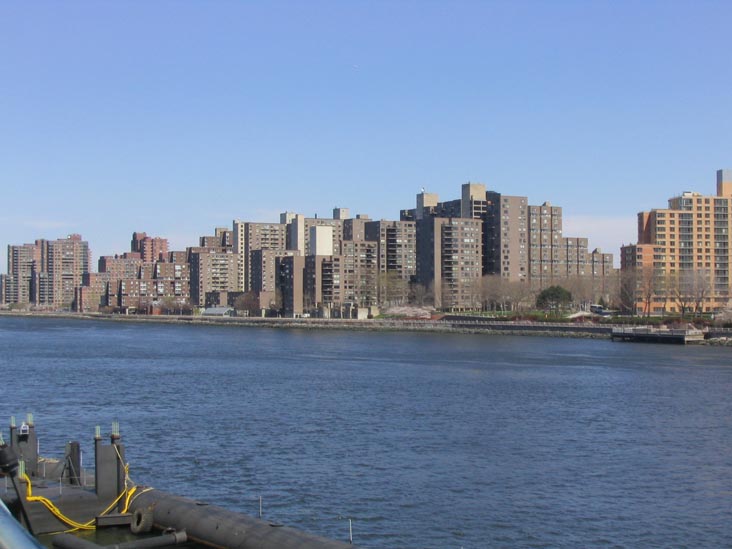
(175, 117)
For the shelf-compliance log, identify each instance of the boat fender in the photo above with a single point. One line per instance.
(142, 521)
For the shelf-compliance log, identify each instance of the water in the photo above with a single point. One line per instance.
(423, 440)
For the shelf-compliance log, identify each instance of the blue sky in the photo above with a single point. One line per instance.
(174, 117)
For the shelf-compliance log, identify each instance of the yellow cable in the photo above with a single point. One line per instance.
(53, 509)
(127, 493)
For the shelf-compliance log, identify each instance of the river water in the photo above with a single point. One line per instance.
(422, 440)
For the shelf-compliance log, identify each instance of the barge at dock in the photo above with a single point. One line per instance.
(54, 499)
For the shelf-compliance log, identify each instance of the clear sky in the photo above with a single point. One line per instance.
(174, 117)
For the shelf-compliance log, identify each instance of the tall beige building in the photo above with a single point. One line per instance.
(397, 249)
(506, 240)
(21, 261)
(247, 237)
(63, 263)
(360, 276)
(449, 260)
(545, 244)
(211, 271)
(681, 262)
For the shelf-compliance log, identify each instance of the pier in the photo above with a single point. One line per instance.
(680, 336)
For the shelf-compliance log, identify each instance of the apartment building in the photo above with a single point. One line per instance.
(505, 237)
(573, 257)
(290, 273)
(92, 294)
(397, 257)
(18, 282)
(222, 240)
(681, 262)
(212, 271)
(545, 245)
(63, 263)
(247, 237)
(173, 280)
(154, 284)
(117, 268)
(360, 273)
(449, 260)
(264, 276)
(150, 248)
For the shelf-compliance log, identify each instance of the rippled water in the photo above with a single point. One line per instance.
(423, 440)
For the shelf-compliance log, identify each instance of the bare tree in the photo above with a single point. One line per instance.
(490, 291)
(701, 288)
(641, 284)
(682, 287)
(522, 295)
(393, 289)
(248, 302)
(421, 295)
(581, 289)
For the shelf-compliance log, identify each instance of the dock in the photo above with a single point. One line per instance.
(55, 498)
(644, 334)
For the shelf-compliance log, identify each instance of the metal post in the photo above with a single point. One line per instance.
(350, 532)
(260, 506)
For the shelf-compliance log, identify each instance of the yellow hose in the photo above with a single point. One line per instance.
(127, 493)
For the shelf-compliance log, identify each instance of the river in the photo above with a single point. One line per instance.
(421, 439)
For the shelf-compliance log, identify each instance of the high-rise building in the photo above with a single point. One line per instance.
(682, 260)
(150, 248)
(449, 260)
(62, 264)
(211, 271)
(92, 294)
(360, 276)
(265, 278)
(397, 264)
(290, 273)
(21, 261)
(341, 213)
(505, 237)
(247, 237)
(545, 244)
(321, 240)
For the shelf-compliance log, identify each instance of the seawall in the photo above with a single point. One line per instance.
(457, 324)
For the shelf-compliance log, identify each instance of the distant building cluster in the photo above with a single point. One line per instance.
(453, 255)
(47, 272)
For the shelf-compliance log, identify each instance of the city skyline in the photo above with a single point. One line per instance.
(174, 118)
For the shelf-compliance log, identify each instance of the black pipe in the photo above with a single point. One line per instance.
(218, 527)
(174, 538)
(68, 541)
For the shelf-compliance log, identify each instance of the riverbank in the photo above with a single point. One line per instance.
(463, 325)
(392, 324)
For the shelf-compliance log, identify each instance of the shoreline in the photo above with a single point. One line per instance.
(389, 325)
(456, 326)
